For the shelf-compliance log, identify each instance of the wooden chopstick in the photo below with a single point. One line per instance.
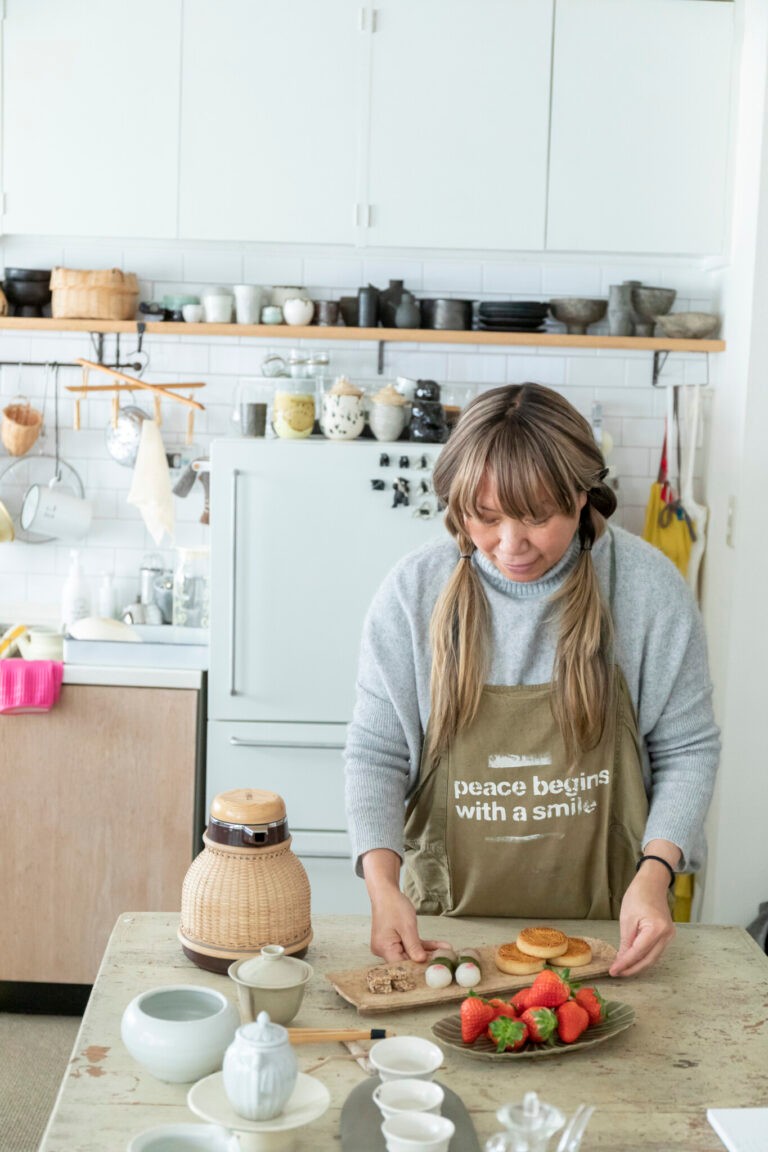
(322, 1035)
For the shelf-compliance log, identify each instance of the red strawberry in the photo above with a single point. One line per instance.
(541, 1023)
(476, 1015)
(507, 1033)
(520, 1001)
(593, 1002)
(502, 1008)
(549, 989)
(572, 1020)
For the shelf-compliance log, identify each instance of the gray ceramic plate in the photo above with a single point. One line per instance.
(361, 1121)
(618, 1017)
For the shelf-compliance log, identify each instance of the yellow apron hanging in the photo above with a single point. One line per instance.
(667, 525)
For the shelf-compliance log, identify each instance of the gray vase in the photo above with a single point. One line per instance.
(407, 313)
(620, 319)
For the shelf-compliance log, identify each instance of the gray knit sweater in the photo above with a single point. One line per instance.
(660, 646)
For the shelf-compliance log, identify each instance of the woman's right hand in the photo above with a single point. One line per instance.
(394, 928)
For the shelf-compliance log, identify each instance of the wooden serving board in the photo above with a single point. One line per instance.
(352, 985)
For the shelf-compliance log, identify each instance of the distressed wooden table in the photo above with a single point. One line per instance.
(700, 1039)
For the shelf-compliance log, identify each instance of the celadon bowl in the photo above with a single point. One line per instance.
(179, 1033)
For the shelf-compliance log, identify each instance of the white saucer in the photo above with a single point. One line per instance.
(309, 1100)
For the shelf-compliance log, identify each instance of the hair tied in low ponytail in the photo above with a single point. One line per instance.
(586, 529)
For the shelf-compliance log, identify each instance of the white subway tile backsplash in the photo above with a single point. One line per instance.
(597, 372)
(272, 270)
(454, 277)
(343, 274)
(380, 270)
(571, 280)
(219, 268)
(511, 280)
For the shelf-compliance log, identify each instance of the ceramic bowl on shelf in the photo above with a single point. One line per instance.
(647, 305)
(577, 313)
(689, 325)
(298, 311)
(181, 1032)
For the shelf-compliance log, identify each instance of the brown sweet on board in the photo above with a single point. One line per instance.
(576, 955)
(542, 942)
(508, 958)
(388, 979)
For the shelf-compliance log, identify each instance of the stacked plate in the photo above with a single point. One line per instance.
(511, 316)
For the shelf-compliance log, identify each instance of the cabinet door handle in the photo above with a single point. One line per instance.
(237, 742)
(233, 586)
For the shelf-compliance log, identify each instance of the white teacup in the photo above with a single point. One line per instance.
(405, 1058)
(417, 1132)
(395, 1096)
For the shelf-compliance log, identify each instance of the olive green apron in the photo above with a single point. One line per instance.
(500, 827)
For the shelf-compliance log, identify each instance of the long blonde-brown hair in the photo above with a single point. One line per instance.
(534, 447)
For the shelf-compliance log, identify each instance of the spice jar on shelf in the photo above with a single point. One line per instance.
(293, 409)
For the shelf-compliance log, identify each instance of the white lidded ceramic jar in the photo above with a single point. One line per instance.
(343, 413)
(260, 1070)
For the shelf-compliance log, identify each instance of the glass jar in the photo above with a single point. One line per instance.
(293, 409)
(191, 593)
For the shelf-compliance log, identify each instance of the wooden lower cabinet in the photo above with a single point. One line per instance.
(98, 808)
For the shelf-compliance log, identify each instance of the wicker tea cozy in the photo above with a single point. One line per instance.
(246, 888)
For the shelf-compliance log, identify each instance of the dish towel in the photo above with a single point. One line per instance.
(151, 485)
(29, 685)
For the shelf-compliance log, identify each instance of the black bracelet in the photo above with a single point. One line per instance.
(661, 860)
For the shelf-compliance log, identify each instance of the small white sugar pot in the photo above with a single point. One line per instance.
(260, 1069)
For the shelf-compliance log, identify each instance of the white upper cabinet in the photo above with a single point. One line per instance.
(271, 120)
(90, 114)
(459, 123)
(640, 126)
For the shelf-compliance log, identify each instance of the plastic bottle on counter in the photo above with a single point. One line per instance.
(76, 596)
(106, 597)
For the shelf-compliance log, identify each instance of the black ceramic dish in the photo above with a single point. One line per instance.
(28, 274)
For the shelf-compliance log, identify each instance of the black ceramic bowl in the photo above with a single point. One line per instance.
(27, 293)
(28, 274)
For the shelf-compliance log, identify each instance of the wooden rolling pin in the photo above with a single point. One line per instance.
(323, 1035)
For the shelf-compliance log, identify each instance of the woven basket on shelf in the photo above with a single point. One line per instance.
(108, 294)
(235, 899)
(21, 427)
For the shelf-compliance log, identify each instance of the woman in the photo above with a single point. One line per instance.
(536, 691)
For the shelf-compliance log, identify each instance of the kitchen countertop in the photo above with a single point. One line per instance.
(133, 677)
(700, 1040)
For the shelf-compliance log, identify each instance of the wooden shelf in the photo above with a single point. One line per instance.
(379, 335)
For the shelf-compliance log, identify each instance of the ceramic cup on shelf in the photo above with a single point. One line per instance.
(217, 307)
(271, 314)
(247, 303)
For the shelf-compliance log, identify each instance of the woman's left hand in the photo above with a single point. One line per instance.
(645, 922)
